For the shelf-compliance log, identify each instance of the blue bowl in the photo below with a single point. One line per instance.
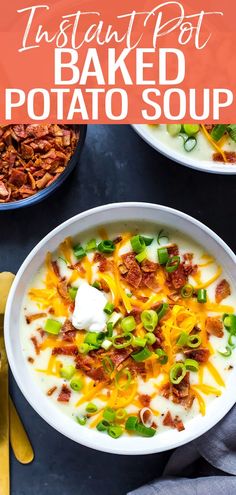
(39, 196)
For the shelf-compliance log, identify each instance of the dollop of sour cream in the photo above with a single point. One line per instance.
(89, 309)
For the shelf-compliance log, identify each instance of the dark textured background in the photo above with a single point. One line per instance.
(116, 165)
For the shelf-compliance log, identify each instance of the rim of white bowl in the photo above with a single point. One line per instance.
(110, 445)
(200, 165)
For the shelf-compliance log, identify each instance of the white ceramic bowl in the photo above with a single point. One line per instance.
(183, 159)
(120, 212)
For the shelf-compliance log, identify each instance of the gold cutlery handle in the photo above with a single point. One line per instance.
(20, 443)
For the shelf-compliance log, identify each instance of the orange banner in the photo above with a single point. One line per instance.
(118, 62)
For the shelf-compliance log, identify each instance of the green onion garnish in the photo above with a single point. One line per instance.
(226, 353)
(149, 319)
(91, 408)
(218, 131)
(139, 341)
(191, 365)
(131, 423)
(232, 131)
(162, 238)
(202, 296)
(52, 326)
(106, 247)
(91, 245)
(76, 384)
(84, 348)
(82, 420)
(102, 425)
(144, 431)
(194, 341)
(177, 373)
(115, 431)
(162, 310)
(174, 129)
(94, 339)
(109, 414)
(67, 371)
(121, 414)
(137, 243)
(172, 264)
(128, 324)
(163, 255)
(187, 291)
(109, 308)
(162, 356)
(141, 355)
(230, 323)
(72, 292)
(147, 240)
(183, 339)
(96, 285)
(191, 129)
(150, 338)
(190, 144)
(107, 365)
(141, 256)
(123, 379)
(79, 252)
(122, 341)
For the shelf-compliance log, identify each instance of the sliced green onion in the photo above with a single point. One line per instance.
(162, 238)
(82, 420)
(187, 291)
(231, 341)
(137, 243)
(202, 296)
(162, 310)
(94, 339)
(226, 353)
(121, 414)
(115, 431)
(109, 308)
(230, 323)
(232, 131)
(147, 240)
(194, 341)
(191, 129)
(190, 144)
(218, 131)
(106, 247)
(109, 414)
(149, 319)
(182, 339)
(91, 245)
(108, 365)
(106, 344)
(109, 331)
(128, 324)
(79, 252)
(96, 285)
(67, 371)
(76, 384)
(52, 326)
(123, 374)
(172, 264)
(145, 431)
(191, 365)
(102, 425)
(177, 373)
(150, 338)
(141, 256)
(141, 355)
(91, 408)
(139, 342)
(114, 318)
(122, 341)
(131, 423)
(163, 255)
(162, 356)
(72, 292)
(173, 129)
(84, 348)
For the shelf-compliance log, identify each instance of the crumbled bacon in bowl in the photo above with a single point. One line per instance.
(33, 157)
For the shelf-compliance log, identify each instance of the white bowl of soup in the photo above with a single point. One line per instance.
(120, 328)
(208, 149)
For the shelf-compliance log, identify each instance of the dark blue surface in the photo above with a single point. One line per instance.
(116, 165)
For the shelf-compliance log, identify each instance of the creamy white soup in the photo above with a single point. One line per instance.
(130, 330)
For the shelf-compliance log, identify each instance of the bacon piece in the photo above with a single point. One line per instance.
(179, 423)
(34, 316)
(69, 350)
(17, 177)
(166, 390)
(41, 183)
(65, 394)
(19, 131)
(51, 391)
(56, 268)
(67, 326)
(136, 313)
(201, 354)
(145, 400)
(188, 257)
(171, 422)
(27, 151)
(123, 269)
(105, 264)
(118, 356)
(149, 266)
(3, 190)
(134, 276)
(223, 290)
(214, 326)
(178, 278)
(63, 290)
(230, 157)
(129, 259)
(149, 280)
(173, 250)
(181, 390)
(104, 286)
(36, 130)
(36, 345)
(69, 336)
(91, 367)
